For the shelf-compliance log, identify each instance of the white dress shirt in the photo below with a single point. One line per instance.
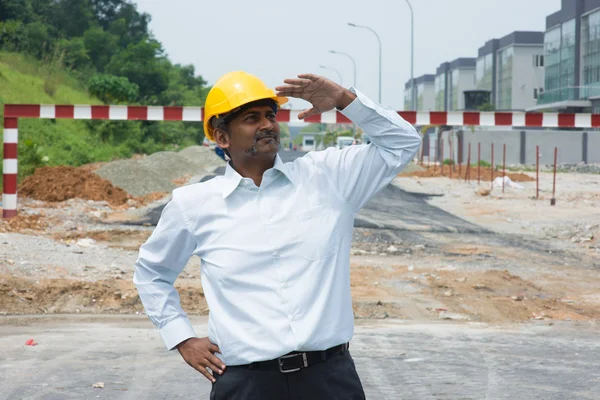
(275, 259)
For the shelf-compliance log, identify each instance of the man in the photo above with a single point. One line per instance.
(274, 240)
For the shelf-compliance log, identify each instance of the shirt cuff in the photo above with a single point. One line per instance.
(176, 332)
(360, 108)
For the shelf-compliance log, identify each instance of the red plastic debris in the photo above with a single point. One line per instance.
(31, 342)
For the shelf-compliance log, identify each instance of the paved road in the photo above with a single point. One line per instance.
(395, 360)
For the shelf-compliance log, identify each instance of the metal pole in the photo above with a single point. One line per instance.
(379, 41)
(478, 163)
(492, 167)
(351, 59)
(9, 187)
(503, 166)
(553, 199)
(412, 56)
(442, 160)
(468, 172)
(537, 172)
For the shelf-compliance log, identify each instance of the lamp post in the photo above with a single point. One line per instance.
(379, 40)
(412, 57)
(351, 59)
(333, 69)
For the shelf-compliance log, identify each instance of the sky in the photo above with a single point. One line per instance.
(278, 39)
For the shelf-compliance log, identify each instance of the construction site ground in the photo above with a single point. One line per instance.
(431, 254)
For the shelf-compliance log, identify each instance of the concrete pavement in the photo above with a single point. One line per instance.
(395, 360)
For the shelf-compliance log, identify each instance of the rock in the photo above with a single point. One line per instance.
(461, 280)
(448, 293)
(517, 298)
(453, 316)
(484, 191)
(479, 286)
(392, 249)
(98, 385)
(411, 268)
(85, 242)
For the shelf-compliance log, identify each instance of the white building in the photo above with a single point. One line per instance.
(452, 79)
(511, 69)
(425, 93)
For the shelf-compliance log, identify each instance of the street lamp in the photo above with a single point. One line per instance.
(351, 59)
(412, 57)
(333, 69)
(379, 40)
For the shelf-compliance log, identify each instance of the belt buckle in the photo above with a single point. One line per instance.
(287, 371)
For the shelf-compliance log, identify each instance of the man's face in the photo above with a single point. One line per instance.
(253, 133)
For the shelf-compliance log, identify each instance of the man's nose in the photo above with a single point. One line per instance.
(266, 124)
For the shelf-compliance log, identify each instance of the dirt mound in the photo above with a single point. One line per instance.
(24, 296)
(485, 174)
(25, 223)
(62, 183)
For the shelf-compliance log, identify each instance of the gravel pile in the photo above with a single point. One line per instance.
(159, 171)
(580, 168)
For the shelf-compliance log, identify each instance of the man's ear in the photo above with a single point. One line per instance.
(222, 138)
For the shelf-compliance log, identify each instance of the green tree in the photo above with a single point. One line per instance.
(486, 107)
(100, 46)
(144, 64)
(71, 17)
(36, 40)
(12, 34)
(75, 54)
(112, 89)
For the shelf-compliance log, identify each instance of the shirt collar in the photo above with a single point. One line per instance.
(233, 178)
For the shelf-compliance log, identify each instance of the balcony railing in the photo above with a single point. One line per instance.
(569, 93)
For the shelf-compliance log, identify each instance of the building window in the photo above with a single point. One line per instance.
(535, 93)
(440, 92)
(552, 40)
(590, 55)
(484, 74)
(538, 60)
(505, 71)
(407, 99)
(453, 97)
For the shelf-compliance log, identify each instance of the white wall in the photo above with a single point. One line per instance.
(525, 76)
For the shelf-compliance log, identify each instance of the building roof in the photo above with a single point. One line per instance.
(444, 67)
(522, 37)
(421, 79)
(570, 9)
(489, 47)
(463, 63)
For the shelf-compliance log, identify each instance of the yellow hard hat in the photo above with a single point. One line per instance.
(231, 91)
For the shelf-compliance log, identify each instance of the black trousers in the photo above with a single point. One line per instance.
(333, 379)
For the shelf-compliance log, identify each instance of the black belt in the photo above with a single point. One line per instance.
(295, 361)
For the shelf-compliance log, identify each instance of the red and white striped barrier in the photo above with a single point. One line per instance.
(12, 112)
(196, 114)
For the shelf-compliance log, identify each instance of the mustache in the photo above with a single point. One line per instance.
(263, 135)
(259, 136)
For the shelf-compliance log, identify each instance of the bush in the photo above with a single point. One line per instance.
(448, 161)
